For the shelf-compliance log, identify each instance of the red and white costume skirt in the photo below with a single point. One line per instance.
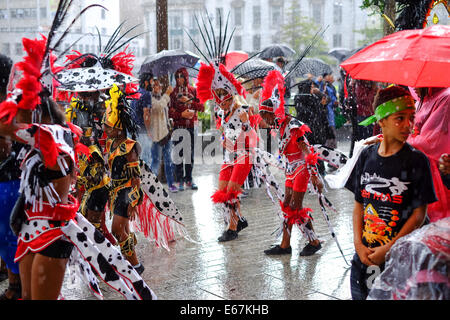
(43, 228)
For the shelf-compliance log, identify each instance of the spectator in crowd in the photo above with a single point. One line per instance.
(330, 91)
(9, 192)
(392, 185)
(183, 106)
(158, 129)
(365, 92)
(141, 107)
(431, 136)
(310, 105)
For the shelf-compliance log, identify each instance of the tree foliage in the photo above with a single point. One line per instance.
(298, 32)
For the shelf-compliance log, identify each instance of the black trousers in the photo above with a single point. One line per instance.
(183, 170)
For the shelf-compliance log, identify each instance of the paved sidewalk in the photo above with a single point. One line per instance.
(239, 269)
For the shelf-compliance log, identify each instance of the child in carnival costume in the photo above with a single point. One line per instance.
(136, 195)
(300, 165)
(86, 110)
(239, 140)
(45, 218)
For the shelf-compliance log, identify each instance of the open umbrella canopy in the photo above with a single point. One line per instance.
(415, 58)
(314, 66)
(339, 53)
(233, 58)
(255, 68)
(168, 61)
(276, 50)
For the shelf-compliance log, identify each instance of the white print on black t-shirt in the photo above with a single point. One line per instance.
(396, 186)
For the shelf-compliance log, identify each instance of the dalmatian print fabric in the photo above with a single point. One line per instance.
(106, 260)
(334, 157)
(91, 79)
(95, 251)
(158, 217)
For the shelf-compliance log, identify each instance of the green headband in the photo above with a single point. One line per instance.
(388, 108)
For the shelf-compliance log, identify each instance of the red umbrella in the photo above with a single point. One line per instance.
(415, 58)
(233, 58)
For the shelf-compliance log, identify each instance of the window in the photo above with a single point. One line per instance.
(43, 12)
(256, 16)
(175, 20)
(103, 14)
(3, 14)
(256, 42)
(337, 40)
(176, 43)
(317, 13)
(237, 16)
(237, 43)
(275, 15)
(337, 13)
(219, 17)
(6, 50)
(18, 49)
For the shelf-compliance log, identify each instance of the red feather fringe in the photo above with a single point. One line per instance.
(222, 196)
(312, 158)
(274, 78)
(50, 151)
(205, 78)
(296, 216)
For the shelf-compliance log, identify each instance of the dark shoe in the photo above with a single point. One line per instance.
(191, 185)
(242, 224)
(3, 276)
(277, 250)
(17, 292)
(228, 236)
(140, 269)
(310, 249)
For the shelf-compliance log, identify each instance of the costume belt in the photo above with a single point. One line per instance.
(60, 212)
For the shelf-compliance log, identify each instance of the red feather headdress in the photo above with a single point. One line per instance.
(272, 82)
(216, 76)
(26, 92)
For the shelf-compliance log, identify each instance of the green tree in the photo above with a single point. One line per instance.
(386, 8)
(298, 32)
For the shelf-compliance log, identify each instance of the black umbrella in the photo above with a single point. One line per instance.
(276, 50)
(314, 66)
(352, 52)
(168, 61)
(339, 53)
(255, 68)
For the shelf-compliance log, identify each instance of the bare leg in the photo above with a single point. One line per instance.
(120, 229)
(25, 267)
(233, 186)
(47, 276)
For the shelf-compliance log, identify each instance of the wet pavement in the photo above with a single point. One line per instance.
(239, 269)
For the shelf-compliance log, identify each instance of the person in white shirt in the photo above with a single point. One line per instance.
(157, 124)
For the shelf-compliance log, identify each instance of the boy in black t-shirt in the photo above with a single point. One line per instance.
(392, 185)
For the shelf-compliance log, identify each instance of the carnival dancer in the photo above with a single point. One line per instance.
(45, 219)
(239, 140)
(86, 110)
(136, 194)
(122, 154)
(300, 167)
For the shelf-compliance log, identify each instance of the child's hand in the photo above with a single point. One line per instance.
(379, 254)
(363, 253)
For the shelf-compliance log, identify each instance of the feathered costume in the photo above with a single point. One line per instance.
(158, 217)
(239, 138)
(42, 218)
(92, 74)
(298, 167)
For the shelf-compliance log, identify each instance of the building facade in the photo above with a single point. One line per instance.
(257, 23)
(28, 18)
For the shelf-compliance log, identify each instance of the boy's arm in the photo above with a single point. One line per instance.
(414, 222)
(358, 224)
